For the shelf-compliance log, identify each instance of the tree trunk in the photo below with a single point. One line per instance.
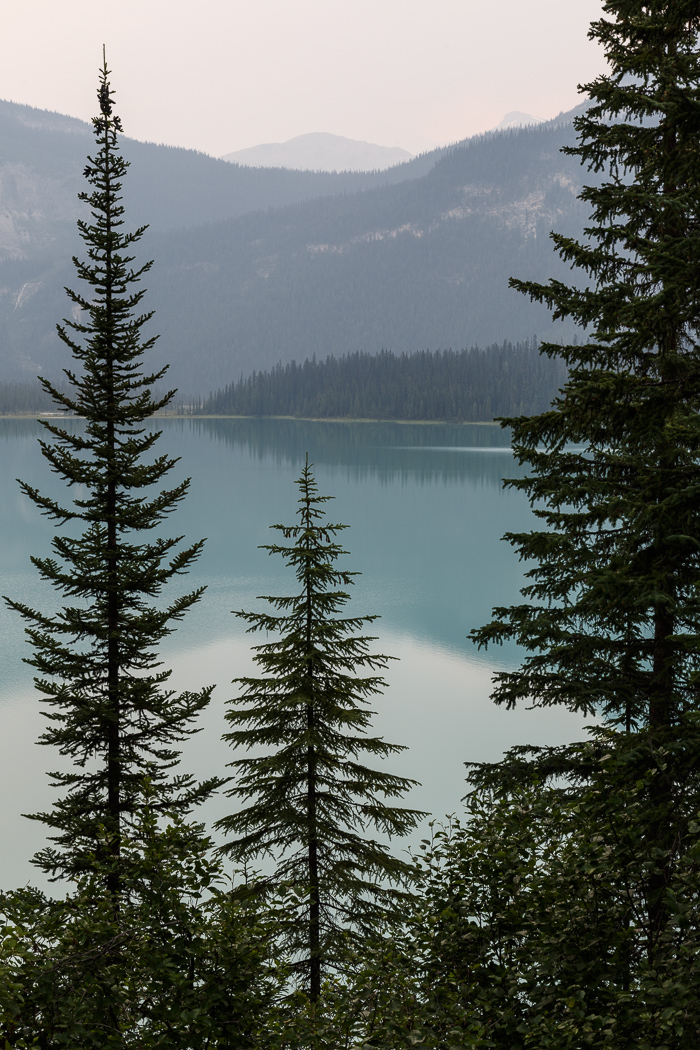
(314, 896)
(114, 706)
(660, 795)
(314, 888)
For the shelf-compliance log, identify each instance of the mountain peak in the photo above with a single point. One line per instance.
(516, 119)
(320, 151)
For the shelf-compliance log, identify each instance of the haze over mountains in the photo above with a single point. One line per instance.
(320, 151)
(260, 265)
(516, 119)
(42, 156)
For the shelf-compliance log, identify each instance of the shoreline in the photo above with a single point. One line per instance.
(298, 419)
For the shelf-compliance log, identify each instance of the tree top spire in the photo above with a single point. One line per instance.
(104, 94)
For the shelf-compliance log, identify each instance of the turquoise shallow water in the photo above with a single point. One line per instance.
(426, 508)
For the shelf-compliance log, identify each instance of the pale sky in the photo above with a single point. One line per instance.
(220, 75)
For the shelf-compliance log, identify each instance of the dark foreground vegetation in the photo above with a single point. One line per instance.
(456, 386)
(562, 908)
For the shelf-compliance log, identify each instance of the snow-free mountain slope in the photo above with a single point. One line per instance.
(418, 264)
(42, 156)
(423, 264)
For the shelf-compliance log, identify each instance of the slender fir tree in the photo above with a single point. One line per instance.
(612, 612)
(309, 796)
(110, 710)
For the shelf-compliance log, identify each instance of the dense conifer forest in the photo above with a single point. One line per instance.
(23, 397)
(471, 385)
(561, 909)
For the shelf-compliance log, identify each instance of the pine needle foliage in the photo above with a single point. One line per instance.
(614, 623)
(308, 796)
(185, 964)
(611, 618)
(110, 710)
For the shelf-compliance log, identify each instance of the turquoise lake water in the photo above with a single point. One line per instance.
(426, 510)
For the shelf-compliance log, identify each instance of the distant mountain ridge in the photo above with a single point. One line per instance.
(256, 265)
(516, 119)
(320, 151)
(42, 156)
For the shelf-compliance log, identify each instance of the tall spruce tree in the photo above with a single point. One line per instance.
(110, 710)
(612, 612)
(309, 796)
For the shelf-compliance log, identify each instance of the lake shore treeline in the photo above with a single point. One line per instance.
(454, 386)
(561, 909)
(471, 385)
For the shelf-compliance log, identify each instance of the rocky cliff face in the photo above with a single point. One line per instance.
(34, 210)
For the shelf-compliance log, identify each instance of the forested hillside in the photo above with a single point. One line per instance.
(468, 385)
(559, 907)
(42, 156)
(420, 264)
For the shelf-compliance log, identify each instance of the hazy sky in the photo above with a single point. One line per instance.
(220, 75)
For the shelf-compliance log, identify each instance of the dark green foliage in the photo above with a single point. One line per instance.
(469, 385)
(613, 624)
(109, 707)
(187, 964)
(531, 928)
(611, 617)
(309, 798)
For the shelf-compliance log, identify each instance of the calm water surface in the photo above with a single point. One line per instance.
(426, 508)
